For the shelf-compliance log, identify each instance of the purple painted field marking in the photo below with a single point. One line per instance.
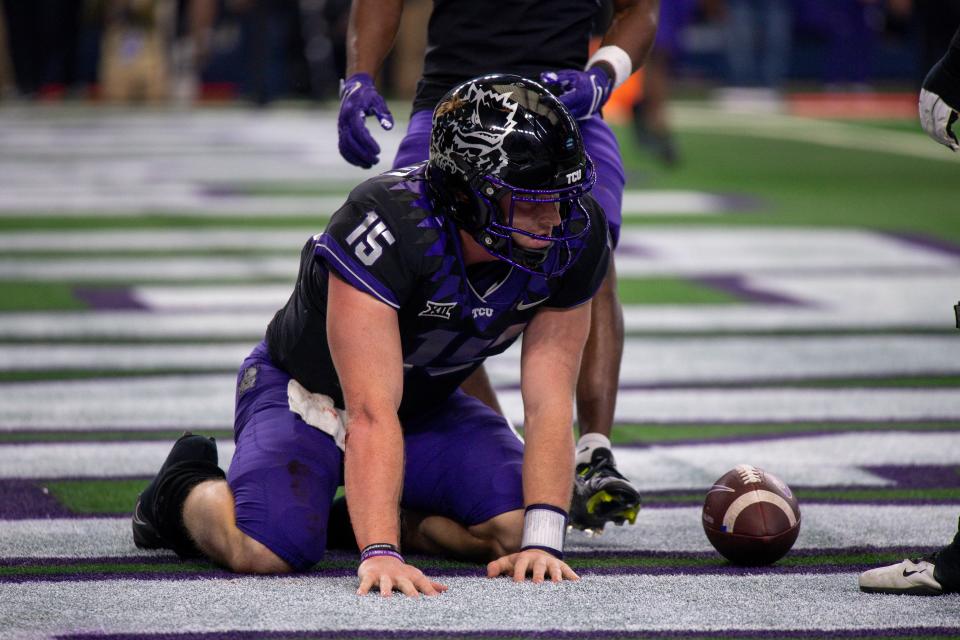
(605, 634)
(736, 285)
(924, 241)
(25, 499)
(109, 298)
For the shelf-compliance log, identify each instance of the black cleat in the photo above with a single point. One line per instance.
(188, 447)
(144, 535)
(601, 494)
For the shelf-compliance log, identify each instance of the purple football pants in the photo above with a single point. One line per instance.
(462, 461)
(598, 139)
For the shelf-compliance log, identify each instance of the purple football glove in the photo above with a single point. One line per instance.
(359, 99)
(583, 93)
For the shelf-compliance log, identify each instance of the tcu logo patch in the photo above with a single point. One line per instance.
(574, 176)
(483, 312)
(369, 249)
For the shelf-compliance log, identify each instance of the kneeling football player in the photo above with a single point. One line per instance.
(421, 275)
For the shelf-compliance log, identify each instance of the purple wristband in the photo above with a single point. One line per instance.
(380, 549)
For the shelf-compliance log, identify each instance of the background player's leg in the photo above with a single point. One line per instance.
(601, 493)
(600, 369)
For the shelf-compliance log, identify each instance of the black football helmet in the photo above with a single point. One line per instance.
(503, 134)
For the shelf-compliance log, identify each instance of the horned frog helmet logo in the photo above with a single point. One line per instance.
(478, 144)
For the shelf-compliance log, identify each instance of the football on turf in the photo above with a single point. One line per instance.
(750, 516)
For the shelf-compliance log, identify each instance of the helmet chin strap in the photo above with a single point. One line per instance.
(505, 248)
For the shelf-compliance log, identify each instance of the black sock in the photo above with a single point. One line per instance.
(947, 565)
(171, 490)
(192, 460)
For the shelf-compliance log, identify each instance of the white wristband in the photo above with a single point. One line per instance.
(617, 58)
(544, 527)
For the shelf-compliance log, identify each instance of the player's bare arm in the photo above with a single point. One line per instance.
(550, 361)
(633, 29)
(365, 346)
(371, 30)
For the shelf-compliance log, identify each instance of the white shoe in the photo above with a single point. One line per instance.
(911, 577)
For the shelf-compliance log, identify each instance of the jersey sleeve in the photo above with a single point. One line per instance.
(581, 281)
(363, 246)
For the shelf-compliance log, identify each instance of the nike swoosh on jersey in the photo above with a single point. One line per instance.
(523, 306)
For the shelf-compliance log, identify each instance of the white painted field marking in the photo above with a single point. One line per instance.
(156, 239)
(474, 605)
(93, 460)
(653, 252)
(137, 403)
(675, 203)
(117, 325)
(646, 360)
(806, 130)
(670, 529)
(207, 401)
(42, 203)
(828, 460)
(229, 145)
(814, 461)
(115, 357)
(227, 297)
(831, 301)
(678, 406)
(182, 198)
(822, 526)
(702, 251)
(168, 268)
(673, 360)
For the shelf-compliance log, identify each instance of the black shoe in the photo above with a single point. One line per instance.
(602, 494)
(187, 448)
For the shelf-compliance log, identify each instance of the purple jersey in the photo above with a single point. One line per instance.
(387, 241)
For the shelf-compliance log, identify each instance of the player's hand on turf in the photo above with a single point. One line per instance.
(540, 565)
(583, 93)
(390, 574)
(359, 99)
(939, 103)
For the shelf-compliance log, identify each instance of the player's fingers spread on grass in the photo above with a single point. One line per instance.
(365, 583)
(406, 587)
(539, 570)
(428, 586)
(386, 586)
(520, 568)
(499, 567)
(567, 572)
